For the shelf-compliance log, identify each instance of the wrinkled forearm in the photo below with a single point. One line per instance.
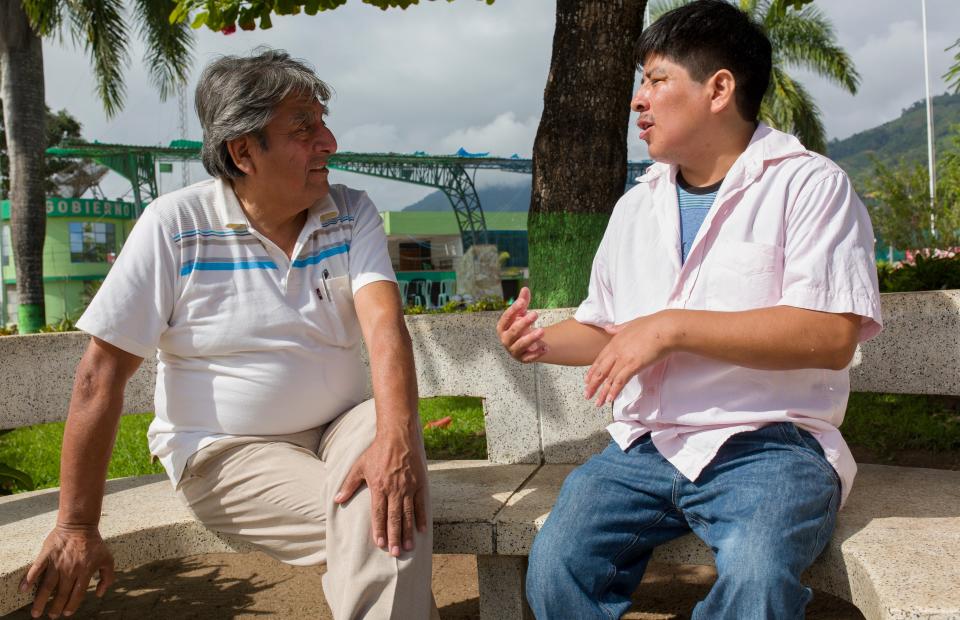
(88, 438)
(394, 378)
(392, 369)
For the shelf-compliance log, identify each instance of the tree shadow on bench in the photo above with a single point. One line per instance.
(221, 586)
(194, 587)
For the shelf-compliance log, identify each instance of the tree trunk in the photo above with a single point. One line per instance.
(580, 153)
(21, 89)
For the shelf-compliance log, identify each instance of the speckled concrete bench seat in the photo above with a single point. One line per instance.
(895, 553)
(143, 521)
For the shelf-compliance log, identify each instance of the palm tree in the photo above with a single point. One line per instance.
(953, 74)
(103, 29)
(802, 38)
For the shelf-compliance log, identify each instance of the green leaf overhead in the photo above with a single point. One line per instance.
(226, 15)
(952, 76)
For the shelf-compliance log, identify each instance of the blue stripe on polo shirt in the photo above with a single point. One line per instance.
(210, 233)
(313, 259)
(336, 220)
(214, 264)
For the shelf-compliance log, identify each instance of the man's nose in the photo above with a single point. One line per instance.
(639, 102)
(326, 142)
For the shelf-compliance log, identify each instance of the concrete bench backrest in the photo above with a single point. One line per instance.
(534, 413)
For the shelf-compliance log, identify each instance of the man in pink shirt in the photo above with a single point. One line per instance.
(726, 300)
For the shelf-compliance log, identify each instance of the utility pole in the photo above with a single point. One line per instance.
(931, 157)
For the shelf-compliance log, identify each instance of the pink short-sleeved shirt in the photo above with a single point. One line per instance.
(786, 228)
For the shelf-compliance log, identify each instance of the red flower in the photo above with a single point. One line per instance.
(229, 29)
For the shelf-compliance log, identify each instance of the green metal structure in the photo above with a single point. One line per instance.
(448, 173)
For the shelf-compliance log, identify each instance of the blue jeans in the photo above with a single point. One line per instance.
(766, 506)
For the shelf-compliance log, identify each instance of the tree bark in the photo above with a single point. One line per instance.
(580, 152)
(21, 90)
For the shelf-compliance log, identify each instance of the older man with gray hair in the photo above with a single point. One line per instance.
(253, 290)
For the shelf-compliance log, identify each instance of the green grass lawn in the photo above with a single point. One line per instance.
(892, 423)
(883, 423)
(36, 449)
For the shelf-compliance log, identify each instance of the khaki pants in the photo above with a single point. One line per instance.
(276, 492)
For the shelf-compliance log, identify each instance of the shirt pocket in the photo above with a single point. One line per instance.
(336, 316)
(743, 276)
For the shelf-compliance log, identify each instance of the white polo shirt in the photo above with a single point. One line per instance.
(248, 341)
(786, 228)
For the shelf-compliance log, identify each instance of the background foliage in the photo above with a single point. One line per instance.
(899, 201)
(926, 274)
(67, 178)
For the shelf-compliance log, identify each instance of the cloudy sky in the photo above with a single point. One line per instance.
(443, 75)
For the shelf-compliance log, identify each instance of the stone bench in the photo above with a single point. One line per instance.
(895, 553)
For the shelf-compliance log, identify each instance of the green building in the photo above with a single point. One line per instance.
(430, 240)
(83, 238)
(424, 245)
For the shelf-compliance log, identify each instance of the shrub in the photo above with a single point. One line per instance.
(925, 274)
(484, 304)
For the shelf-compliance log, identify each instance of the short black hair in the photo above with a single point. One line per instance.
(708, 35)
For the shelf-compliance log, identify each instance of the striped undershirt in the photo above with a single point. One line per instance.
(694, 202)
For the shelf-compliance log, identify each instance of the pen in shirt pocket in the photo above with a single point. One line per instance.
(326, 289)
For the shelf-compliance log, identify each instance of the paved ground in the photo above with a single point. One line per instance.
(221, 586)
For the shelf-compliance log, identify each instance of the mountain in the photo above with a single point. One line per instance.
(904, 138)
(493, 198)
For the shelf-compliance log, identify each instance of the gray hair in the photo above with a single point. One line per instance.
(237, 95)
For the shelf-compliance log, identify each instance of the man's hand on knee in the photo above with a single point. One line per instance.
(396, 476)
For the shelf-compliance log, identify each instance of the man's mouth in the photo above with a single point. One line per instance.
(645, 126)
(319, 168)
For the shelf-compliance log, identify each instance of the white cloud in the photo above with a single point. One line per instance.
(370, 138)
(503, 136)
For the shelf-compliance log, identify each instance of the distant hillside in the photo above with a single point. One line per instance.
(904, 138)
(493, 198)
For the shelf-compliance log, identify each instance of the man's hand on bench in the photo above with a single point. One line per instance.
(70, 557)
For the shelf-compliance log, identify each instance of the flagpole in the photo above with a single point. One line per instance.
(931, 158)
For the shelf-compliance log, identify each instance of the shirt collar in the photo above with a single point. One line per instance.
(232, 215)
(228, 207)
(319, 212)
(767, 144)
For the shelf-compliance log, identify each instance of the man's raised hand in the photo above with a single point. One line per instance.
(515, 329)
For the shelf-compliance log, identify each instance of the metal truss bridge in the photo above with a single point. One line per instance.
(451, 174)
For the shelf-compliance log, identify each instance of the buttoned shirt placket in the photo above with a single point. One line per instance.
(687, 272)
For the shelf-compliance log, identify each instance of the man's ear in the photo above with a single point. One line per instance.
(239, 149)
(723, 88)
